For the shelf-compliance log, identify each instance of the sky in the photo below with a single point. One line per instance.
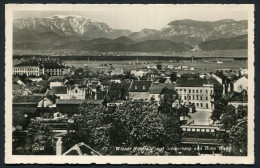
(138, 17)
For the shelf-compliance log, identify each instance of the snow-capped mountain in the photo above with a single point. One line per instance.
(66, 26)
(193, 32)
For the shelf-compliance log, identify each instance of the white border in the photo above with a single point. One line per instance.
(16, 159)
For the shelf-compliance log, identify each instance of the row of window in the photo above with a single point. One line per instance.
(52, 70)
(26, 69)
(193, 90)
(193, 97)
(198, 129)
(28, 73)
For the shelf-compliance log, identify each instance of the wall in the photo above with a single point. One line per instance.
(139, 95)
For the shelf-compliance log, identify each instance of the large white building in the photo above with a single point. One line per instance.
(196, 90)
(64, 92)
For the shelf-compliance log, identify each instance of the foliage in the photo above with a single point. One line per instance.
(135, 123)
(220, 106)
(173, 76)
(113, 91)
(238, 137)
(38, 136)
(241, 111)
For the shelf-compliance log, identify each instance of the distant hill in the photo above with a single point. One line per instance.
(80, 33)
(239, 42)
(110, 45)
(123, 40)
(158, 46)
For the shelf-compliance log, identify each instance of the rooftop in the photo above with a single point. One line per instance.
(27, 99)
(52, 65)
(140, 86)
(59, 90)
(157, 88)
(191, 82)
(23, 64)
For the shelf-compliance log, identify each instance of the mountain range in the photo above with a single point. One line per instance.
(79, 33)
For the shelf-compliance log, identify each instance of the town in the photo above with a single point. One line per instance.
(159, 108)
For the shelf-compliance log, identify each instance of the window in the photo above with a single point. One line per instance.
(76, 91)
(183, 129)
(200, 97)
(197, 97)
(180, 89)
(193, 97)
(200, 91)
(197, 91)
(212, 130)
(198, 130)
(135, 87)
(206, 91)
(185, 97)
(188, 129)
(207, 130)
(202, 130)
(211, 91)
(176, 90)
(197, 104)
(201, 104)
(189, 97)
(193, 90)
(143, 87)
(189, 91)
(193, 130)
(184, 90)
(206, 97)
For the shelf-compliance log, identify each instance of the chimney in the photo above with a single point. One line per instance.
(59, 146)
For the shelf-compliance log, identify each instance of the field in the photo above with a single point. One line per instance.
(199, 66)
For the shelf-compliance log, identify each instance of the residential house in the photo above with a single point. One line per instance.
(139, 89)
(156, 90)
(241, 84)
(80, 149)
(64, 92)
(56, 84)
(47, 101)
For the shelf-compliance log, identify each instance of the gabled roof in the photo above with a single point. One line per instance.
(27, 64)
(191, 82)
(140, 86)
(52, 65)
(81, 149)
(69, 101)
(26, 99)
(59, 90)
(157, 88)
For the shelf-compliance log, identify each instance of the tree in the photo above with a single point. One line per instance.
(238, 137)
(228, 118)
(39, 138)
(220, 106)
(113, 91)
(173, 76)
(242, 111)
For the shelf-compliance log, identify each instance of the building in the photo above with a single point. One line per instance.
(156, 90)
(241, 84)
(139, 89)
(28, 68)
(80, 149)
(117, 71)
(55, 84)
(53, 69)
(138, 73)
(38, 68)
(196, 90)
(64, 92)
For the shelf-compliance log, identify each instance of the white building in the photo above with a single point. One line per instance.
(56, 84)
(197, 91)
(241, 84)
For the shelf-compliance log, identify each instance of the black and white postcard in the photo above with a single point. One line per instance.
(135, 84)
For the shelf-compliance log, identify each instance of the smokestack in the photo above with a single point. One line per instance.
(59, 146)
